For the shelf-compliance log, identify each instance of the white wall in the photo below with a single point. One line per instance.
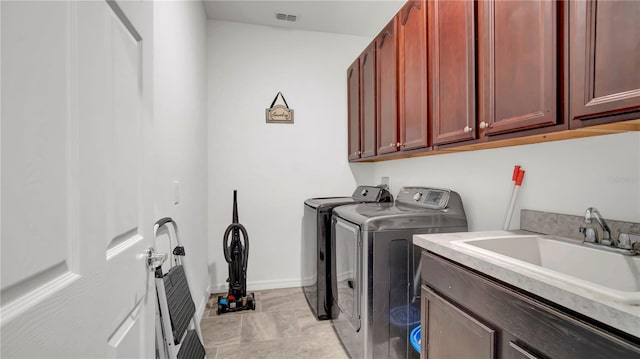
(562, 177)
(274, 167)
(180, 129)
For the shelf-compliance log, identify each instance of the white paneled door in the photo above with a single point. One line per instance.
(76, 206)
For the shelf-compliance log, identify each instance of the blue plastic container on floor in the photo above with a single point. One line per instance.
(415, 338)
(404, 316)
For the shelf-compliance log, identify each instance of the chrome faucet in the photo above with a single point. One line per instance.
(627, 243)
(593, 213)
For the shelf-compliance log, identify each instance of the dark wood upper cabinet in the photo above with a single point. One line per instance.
(353, 112)
(451, 29)
(604, 52)
(361, 105)
(461, 75)
(518, 65)
(412, 75)
(387, 88)
(368, 101)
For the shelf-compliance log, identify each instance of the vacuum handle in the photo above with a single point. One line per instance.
(162, 221)
(235, 207)
(230, 234)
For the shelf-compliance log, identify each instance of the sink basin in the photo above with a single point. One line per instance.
(611, 275)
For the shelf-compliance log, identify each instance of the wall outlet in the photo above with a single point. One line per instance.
(385, 180)
(176, 192)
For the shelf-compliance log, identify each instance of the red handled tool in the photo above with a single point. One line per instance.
(517, 178)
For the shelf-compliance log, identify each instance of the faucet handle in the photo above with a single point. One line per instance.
(589, 234)
(628, 240)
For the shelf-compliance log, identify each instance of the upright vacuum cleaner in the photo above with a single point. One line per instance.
(236, 254)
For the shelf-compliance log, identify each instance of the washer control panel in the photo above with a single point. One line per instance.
(371, 194)
(434, 198)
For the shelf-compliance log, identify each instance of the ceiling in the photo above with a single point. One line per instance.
(351, 17)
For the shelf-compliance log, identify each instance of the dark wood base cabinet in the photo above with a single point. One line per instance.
(468, 315)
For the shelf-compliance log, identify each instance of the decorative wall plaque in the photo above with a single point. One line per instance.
(278, 113)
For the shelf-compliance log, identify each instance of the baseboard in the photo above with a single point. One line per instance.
(259, 285)
(203, 304)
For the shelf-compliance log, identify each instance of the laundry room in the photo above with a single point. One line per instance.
(117, 115)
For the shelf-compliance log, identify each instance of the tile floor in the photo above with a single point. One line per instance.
(282, 326)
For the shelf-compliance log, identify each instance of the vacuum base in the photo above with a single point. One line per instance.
(226, 305)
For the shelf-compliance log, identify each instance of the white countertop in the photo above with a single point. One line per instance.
(620, 316)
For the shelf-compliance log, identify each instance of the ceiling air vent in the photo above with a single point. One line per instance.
(286, 17)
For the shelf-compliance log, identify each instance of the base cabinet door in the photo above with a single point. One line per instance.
(451, 333)
(516, 351)
(605, 61)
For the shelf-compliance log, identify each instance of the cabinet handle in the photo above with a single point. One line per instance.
(392, 145)
(399, 144)
(467, 129)
(359, 152)
(484, 125)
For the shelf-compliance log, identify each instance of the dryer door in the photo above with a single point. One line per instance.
(348, 265)
(309, 264)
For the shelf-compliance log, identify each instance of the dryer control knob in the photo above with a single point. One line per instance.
(417, 197)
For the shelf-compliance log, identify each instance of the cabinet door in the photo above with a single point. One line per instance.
(353, 103)
(368, 101)
(605, 61)
(448, 332)
(516, 351)
(452, 70)
(412, 75)
(386, 86)
(517, 54)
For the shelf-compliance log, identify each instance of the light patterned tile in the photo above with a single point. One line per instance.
(287, 330)
(283, 299)
(220, 330)
(211, 352)
(317, 342)
(271, 349)
(306, 319)
(280, 293)
(269, 326)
